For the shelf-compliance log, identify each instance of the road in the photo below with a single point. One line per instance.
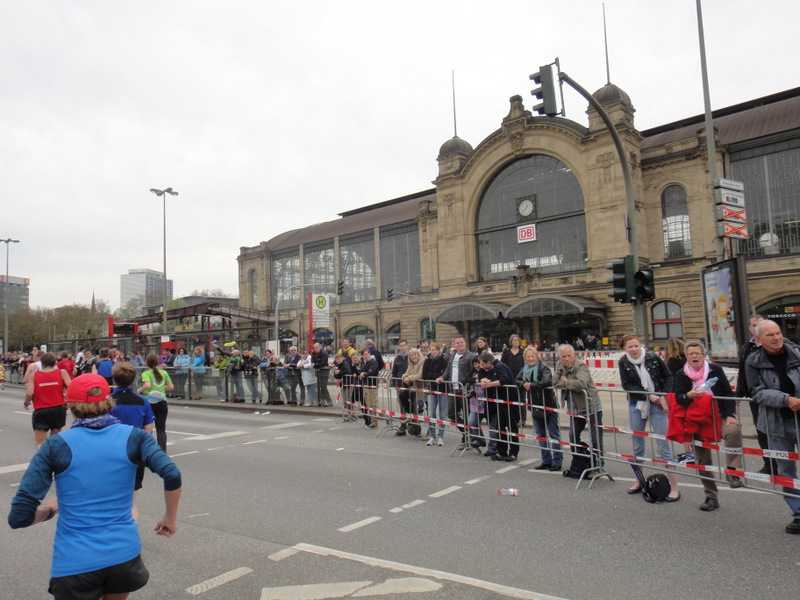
(297, 506)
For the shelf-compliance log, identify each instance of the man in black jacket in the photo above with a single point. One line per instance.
(320, 360)
(501, 386)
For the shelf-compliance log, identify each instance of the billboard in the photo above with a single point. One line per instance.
(726, 308)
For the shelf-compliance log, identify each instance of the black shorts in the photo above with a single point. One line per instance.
(52, 417)
(120, 579)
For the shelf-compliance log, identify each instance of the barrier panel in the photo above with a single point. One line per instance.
(608, 434)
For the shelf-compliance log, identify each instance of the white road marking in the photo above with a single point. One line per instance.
(282, 426)
(318, 431)
(359, 524)
(286, 553)
(214, 436)
(400, 509)
(183, 453)
(219, 580)
(218, 448)
(198, 515)
(477, 480)
(444, 492)
(314, 591)
(13, 468)
(254, 442)
(401, 585)
(501, 590)
(283, 437)
(507, 469)
(525, 463)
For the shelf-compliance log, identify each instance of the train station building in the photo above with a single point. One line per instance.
(517, 231)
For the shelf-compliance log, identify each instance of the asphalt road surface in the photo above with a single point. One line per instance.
(303, 506)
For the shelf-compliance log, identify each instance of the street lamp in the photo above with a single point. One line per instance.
(7, 242)
(163, 194)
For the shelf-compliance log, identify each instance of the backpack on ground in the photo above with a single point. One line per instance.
(581, 461)
(655, 488)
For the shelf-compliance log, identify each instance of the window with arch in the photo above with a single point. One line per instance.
(252, 278)
(392, 337)
(541, 192)
(358, 335)
(286, 277)
(667, 320)
(675, 222)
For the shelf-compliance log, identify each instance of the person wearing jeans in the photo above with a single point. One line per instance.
(433, 368)
(644, 375)
(535, 380)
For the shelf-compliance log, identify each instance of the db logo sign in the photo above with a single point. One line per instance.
(526, 233)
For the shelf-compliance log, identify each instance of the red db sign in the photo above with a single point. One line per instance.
(526, 233)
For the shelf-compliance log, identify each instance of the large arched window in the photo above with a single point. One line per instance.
(675, 221)
(667, 321)
(542, 195)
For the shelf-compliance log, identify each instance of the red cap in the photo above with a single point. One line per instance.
(78, 390)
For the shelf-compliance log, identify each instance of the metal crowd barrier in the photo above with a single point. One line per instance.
(616, 441)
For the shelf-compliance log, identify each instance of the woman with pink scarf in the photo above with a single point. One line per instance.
(704, 414)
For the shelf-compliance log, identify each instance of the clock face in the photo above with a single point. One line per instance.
(525, 208)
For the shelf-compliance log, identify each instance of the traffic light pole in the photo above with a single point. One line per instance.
(639, 308)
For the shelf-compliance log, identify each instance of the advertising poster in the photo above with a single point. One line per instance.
(726, 308)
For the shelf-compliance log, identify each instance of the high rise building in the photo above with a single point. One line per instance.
(143, 282)
(18, 290)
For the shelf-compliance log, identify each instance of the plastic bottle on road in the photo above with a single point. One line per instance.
(509, 492)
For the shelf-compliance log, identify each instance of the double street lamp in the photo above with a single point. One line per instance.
(7, 242)
(163, 194)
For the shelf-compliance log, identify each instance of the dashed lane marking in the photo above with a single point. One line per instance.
(184, 454)
(282, 425)
(13, 468)
(400, 509)
(359, 524)
(477, 480)
(444, 492)
(210, 584)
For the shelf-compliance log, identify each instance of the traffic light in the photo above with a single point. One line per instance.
(546, 92)
(340, 287)
(390, 294)
(622, 279)
(645, 285)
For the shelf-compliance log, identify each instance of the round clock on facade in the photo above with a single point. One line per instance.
(525, 208)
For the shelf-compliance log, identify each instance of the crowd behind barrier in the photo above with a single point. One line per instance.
(376, 401)
(616, 441)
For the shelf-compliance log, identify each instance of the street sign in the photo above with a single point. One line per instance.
(729, 197)
(729, 184)
(322, 313)
(732, 230)
(727, 212)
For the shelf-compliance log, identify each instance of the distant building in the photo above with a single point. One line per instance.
(143, 282)
(18, 290)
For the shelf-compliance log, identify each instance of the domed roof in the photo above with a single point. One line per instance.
(455, 145)
(610, 93)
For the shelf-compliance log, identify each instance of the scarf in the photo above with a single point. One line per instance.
(644, 375)
(96, 422)
(530, 373)
(698, 376)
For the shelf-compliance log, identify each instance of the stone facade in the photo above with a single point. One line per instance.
(448, 253)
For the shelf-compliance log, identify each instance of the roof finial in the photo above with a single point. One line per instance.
(453, 85)
(605, 38)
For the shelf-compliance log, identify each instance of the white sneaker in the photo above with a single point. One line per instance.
(431, 442)
(441, 442)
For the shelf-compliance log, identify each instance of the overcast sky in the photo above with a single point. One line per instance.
(270, 115)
